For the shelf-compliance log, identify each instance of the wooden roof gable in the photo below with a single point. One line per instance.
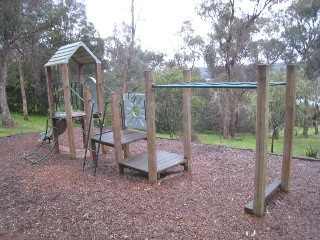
(77, 51)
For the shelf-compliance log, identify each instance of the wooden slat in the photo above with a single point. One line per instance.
(127, 136)
(73, 115)
(270, 191)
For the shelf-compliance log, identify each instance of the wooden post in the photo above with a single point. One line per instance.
(67, 102)
(88, 108)
(100, 97)
(261, 140)
(289, 127)
(126, 147)
(151, 127)
(187, 121)
(81, 93)
(52, 107)
(116, 128)
(80, 79)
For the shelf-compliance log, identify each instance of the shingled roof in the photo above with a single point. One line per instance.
(77, 51)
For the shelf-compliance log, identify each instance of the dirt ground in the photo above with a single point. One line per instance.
(55, 199)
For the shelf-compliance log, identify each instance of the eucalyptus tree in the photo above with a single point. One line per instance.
(193, 47)
(8, 28)
(301, 24)
(301, 34)
(233, 25)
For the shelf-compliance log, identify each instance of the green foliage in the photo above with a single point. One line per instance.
(304, 107)
(168, 102)
(277, 105)
(310, 152)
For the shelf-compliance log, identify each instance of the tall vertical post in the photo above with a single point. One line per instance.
(100, 97)
(67, 102)
(187, 121)
(80, 79)
(99, 88)
(86, 124)
(116, 128)
(151, 127)
(289, 121)
(81, 93)
(52, 107)
(261, 140)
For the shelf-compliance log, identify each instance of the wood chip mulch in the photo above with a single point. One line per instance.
(55, 199)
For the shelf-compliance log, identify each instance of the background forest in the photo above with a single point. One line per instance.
(272, 32)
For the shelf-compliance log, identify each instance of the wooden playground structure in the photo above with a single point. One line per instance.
(154, 161)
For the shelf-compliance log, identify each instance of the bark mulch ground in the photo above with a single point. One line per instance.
(54, 199)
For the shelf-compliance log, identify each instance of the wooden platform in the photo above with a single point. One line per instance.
(74, 115)
(165, 160)
(127, 136)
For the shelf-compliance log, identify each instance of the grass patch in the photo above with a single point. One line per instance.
(35, 123)
(248, 141)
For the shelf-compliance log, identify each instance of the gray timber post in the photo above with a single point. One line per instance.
(52, 109)
(289, 122)
(261, 140)
(187, 120)
(116, 128)
(87, 117)
(67, 102)
(151, 127)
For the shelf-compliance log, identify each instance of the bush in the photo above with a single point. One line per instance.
(310, 152)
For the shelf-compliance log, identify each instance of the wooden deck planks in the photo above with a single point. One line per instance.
(165, 160)
(127, 136)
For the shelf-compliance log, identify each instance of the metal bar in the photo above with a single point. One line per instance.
(73, 91)
(248, 85)
(106, 87)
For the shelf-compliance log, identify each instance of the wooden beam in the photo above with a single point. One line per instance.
(88, 109)
(151, 127)
(52, 108)
(116, 128)
(261, 140)
(67, 103)
(289, 123)
(187, 121)
(100, 96)
(99, 88)
(81, 93)
(80, 79)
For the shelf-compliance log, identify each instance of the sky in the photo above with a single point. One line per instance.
(158, 21)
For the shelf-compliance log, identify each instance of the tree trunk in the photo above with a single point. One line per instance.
(275, 136)
(23, 92)
(305, 118)
(276, 133)
(6, 116)
(226, 114)
(125, 80)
